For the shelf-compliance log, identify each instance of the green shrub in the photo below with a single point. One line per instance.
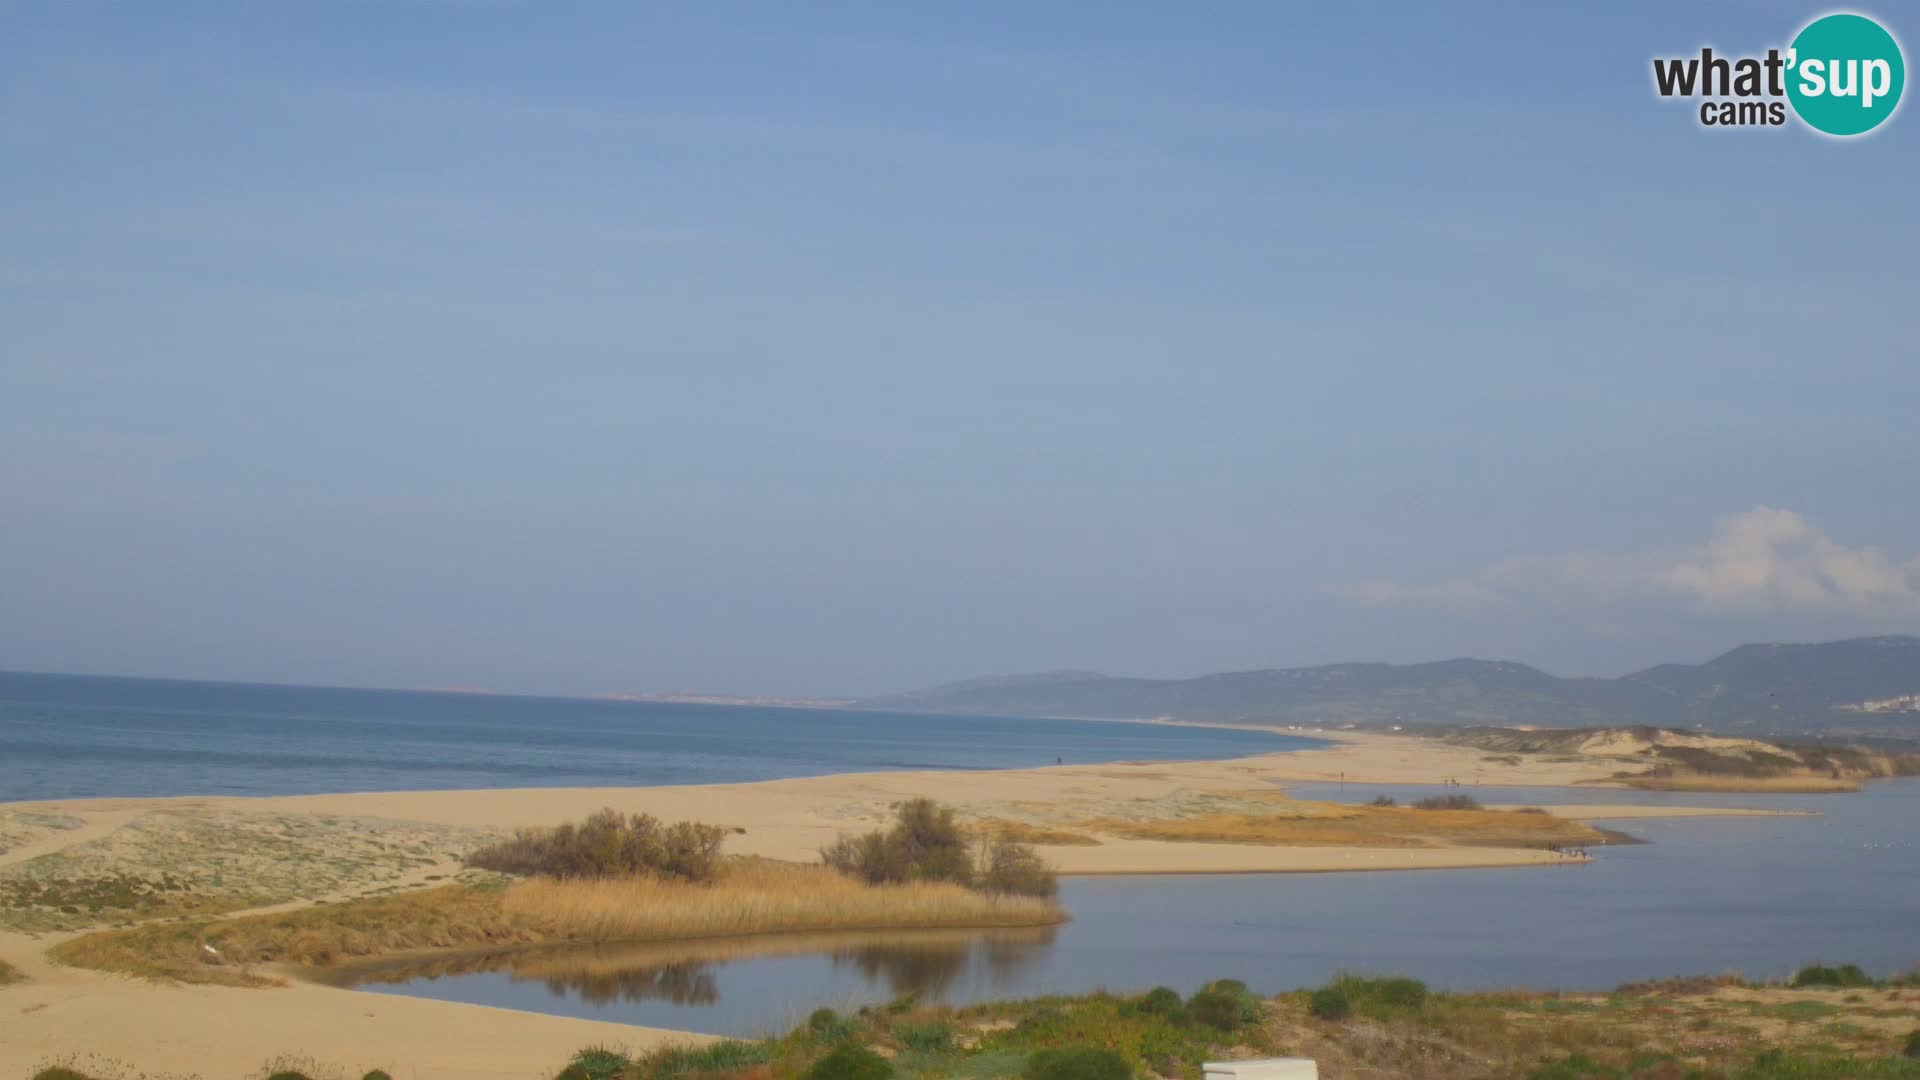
(59, 1072)
(934, 1038)
(598, 1063)
(287, 1074)
(376, 1074)
(829, 1026)
(1225, 1005)
(1160, 1001)
(1392, 992)
(1820, 975)
(1913, 1045)
(608, 844)
(851, 1063)
(572, 1072)
(1447, 802)
(1077, 1063)
(1384, 800)
(1330, 1003)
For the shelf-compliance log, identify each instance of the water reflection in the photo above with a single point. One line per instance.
(928, 964)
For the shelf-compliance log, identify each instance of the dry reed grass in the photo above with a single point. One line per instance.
(1021, 832)
(758, 897)
(1334, 825)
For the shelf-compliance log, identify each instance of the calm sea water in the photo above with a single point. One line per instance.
(1756, 895)
(65, 736)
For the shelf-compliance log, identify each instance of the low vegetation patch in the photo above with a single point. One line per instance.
(10, 974)
(199, 862)
(747, 896)
(1386, 1028)
(926, 843)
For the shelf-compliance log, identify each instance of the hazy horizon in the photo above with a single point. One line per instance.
(837, 351)
(724, 692)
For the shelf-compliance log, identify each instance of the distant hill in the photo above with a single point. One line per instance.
(1863, 685)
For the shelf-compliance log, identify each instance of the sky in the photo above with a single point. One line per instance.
(836, 349)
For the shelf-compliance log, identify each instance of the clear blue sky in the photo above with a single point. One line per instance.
(825, 349)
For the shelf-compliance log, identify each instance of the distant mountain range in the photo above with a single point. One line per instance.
(1859, 686)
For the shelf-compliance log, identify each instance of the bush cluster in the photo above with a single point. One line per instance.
(1225, 1005)
(1848, 975)
(1913, 1045)
(1330, 1003)
(608, 844)
(1348, 994)
(926, 843)
(1844, 975)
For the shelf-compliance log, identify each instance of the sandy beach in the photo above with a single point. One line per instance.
(333, 847)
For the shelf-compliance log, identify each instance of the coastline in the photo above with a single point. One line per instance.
(57, 1012)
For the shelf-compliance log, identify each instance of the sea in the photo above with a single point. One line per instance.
(73, 736)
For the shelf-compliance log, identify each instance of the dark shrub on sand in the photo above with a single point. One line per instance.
(926, 843)
(608, 844)
(1330, 1003)
(1821, 975)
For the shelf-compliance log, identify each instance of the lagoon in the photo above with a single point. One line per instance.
(1758, 895)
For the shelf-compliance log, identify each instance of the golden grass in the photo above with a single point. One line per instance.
(1027, 833)
(1784, 785)
(759, 897)
(1335, 825)
(751, 897)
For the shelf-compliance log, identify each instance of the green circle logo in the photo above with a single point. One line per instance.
(1845, 74)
